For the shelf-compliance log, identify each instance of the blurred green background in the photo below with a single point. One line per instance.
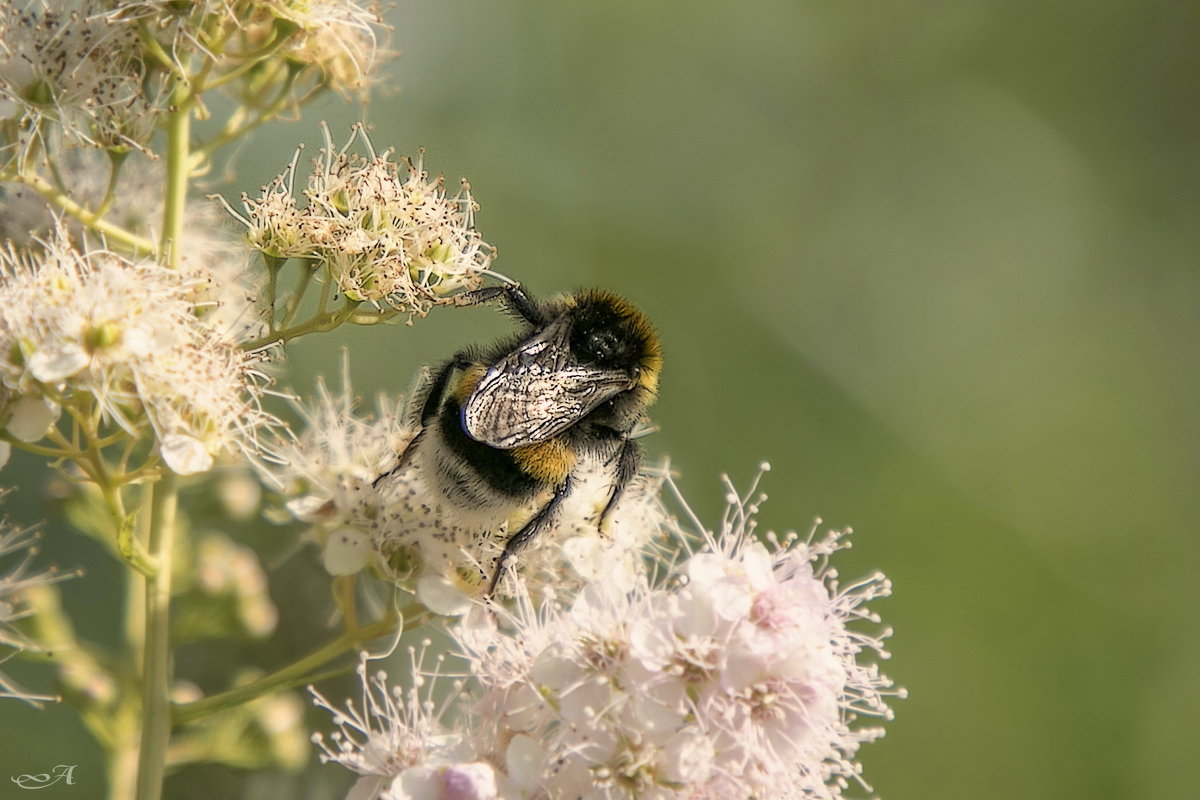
(936, 262)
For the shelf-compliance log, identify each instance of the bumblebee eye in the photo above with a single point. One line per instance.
(601, 346)
(635, 371)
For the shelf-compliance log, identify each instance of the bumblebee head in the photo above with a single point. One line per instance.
(589, 356)
(609, 332)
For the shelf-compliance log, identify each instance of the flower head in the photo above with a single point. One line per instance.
(341, 38)
(386, 232)
(63, 65)
(329, 474)
(733, 673)
(214, 263)
(401, 743)
(734, 676)
(128, 334)
(326, 471)
(338, 44)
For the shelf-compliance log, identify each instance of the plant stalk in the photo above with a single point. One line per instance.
(293, 674)
(179, 129)
(156, 669)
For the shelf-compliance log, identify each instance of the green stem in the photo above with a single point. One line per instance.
(114, 234)
(115, 161)
(326, 290)
(131, 551)
(179, 122)
(37, 449)
(375, 317)
(123, 755)
(128, 546)
(297, 296)
(273, 266)
(294, 674)
(345, 595)
(150, 42)
(156, 670)
(232, 132)
(318, 323)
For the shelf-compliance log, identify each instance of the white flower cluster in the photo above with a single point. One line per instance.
(127, 333)
(225, 287)
(326, 472)
(734, 675)
(339, 38)
(328, 476)
(336, 475)
(384, 235)
(63, 63)
(399, 743)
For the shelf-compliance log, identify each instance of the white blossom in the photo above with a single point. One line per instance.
(30, 418)
(65, 71)
(330, 476)
(339, 37)
(734, 672)
(347, 551)
(734, 676)
(224, 288)
(386, 232)
(129, 334)
(341, 42)
(399, 741)
(326, 471)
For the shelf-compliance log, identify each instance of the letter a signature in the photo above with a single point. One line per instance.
(41, 781)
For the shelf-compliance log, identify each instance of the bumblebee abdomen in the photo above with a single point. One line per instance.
(475, 462)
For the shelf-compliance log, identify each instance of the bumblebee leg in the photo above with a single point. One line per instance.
(521, 538)
(405, 457)
(437, 387)
(523, 305)
(475, 297)
(627, 467)
(513, 293)
(429, 410)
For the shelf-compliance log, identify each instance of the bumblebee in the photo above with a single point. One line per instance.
(505, 426)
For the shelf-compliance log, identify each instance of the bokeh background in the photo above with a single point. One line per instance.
(935, 262)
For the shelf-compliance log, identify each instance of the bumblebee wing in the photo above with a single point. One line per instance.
(537, 391)
(510, 409)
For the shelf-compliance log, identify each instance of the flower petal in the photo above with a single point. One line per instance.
(185, 455)
(55, 364)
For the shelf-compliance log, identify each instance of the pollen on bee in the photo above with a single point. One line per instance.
(467, 383)
(550, 461)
